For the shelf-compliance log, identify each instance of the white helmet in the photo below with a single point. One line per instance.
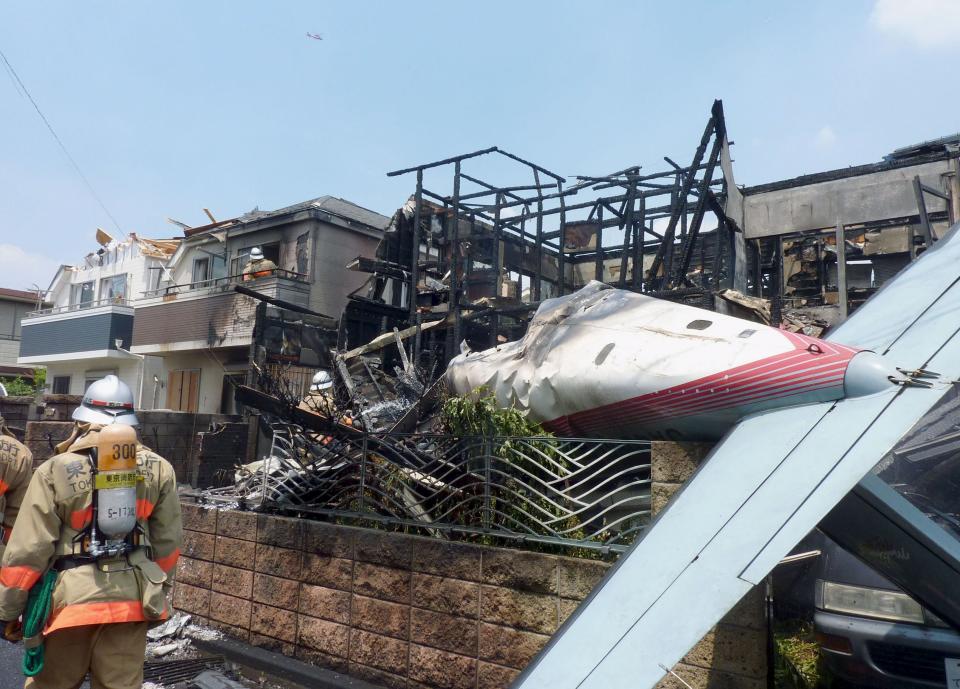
(256, 254)
(108, 400)
(321, 381)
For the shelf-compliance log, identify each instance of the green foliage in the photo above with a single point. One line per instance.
(39, 379)
(479, 415)
(527, 449)
(17, 387)
(797, 654)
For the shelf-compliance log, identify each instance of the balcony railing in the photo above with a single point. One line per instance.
(223, 283)
(93, 304)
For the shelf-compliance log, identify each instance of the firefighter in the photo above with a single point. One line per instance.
(320, 398)
(16, 464)
(100, 526)
(258, 266)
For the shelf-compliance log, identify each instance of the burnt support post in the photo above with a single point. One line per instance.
(538, 269)
(776, 288)
(627, 231)
(842, 269)
(639, 226)
(598, 259)
(561, 258)
(415, 250)
(454, 252)
(497, 264)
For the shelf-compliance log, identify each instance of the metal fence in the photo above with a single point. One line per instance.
(574, 492)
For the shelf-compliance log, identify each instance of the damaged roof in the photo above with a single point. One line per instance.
(331, 204)
(924, 152)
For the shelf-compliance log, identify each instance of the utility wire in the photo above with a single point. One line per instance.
(63, 148)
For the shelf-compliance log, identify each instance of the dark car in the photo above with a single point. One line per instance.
(870, 633)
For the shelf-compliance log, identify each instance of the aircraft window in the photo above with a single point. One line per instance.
(747, 333)
(699, 325)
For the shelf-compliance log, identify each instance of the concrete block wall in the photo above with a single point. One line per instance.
(733, 655)
(43, 436)
(16, 411)
(60, 407)
(174, 436)
(200, 456)
(401, 611)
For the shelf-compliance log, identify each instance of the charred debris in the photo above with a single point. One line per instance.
(468, 266)
(465, 262)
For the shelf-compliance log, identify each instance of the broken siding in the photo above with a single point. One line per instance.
(221, 320)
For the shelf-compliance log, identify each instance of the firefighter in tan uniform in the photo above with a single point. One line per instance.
(103, 514)
(320, 398)
(258, 266)
(16, 464)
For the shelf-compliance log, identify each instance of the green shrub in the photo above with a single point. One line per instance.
(17, 387)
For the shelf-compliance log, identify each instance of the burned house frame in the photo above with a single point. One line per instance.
(474, 263)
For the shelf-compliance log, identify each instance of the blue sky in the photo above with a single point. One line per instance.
(171, 107)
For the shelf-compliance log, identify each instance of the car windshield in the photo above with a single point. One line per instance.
(925, 465)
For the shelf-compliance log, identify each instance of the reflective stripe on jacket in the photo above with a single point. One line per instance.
(55, 511)
(16, 464)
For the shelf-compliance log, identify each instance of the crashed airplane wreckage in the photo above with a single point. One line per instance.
(604, 362)
(776, 475)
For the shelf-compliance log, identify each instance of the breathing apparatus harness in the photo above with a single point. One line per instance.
(112, 530)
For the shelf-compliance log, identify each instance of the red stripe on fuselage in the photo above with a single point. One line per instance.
(781, 375)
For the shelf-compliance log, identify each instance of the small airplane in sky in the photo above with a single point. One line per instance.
(315, 36)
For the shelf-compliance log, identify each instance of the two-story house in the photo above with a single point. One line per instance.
(86, 331)
(14, 305)
(201, 329)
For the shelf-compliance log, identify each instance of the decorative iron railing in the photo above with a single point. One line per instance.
(574, 492)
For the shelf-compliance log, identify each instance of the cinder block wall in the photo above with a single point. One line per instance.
(43, 436)
(398, 610)
(16, 411)
(199, 456)
(174, 435)
(733, 655)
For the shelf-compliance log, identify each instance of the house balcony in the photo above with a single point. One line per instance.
(209, 314)
(91, 330)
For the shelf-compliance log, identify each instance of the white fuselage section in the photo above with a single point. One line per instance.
(610, 363)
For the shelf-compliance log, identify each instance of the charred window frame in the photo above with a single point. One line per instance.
(303, 255)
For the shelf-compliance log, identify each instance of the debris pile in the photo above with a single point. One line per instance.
(173, 638)
(810, 321)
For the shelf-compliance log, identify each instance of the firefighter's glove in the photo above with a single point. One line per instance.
(13, 631)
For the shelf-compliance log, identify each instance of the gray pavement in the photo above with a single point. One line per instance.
(10, 657)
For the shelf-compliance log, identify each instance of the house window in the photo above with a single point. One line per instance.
(218, 267)
(270, 252)
(81, 295)
(113, 290)
(61, 385)
(201, 270)
(91, 377)
(183, 390)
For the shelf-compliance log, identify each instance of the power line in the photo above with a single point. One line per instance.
(63, 148)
